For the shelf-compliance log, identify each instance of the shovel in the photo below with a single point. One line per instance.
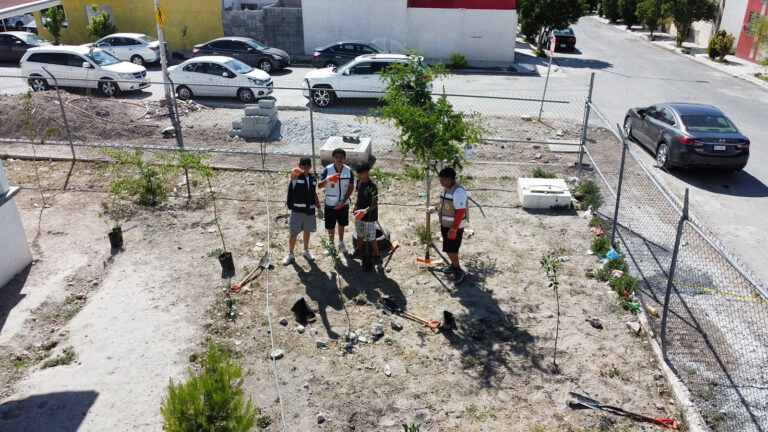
(582, 401)
(448, 322)
(263, 264)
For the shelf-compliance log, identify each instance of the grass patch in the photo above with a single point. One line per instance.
(541, 173)
(458, 61)
(381, 178)
(421, 233)
(469, 362)
(589, 194)
(605, 273)
(64, 359)
(601, 245)
(414, 173)
(263, 422)
(49, 345)
(597, 222)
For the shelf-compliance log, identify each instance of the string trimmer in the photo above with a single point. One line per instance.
(582, 401)
(263, 264)
(448, 322)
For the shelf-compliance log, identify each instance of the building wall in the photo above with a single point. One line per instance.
(733, 18)
(274, 26)
(485, 35)
(15, 254)
(200, 18)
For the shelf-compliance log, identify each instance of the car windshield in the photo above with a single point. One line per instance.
(33, 39)
(238, 66)
(711, 123)
(566, 32)
(146, 38)
(102, 58)
(376, 47)
(256, 45)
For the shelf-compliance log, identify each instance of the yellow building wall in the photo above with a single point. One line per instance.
(200, 19)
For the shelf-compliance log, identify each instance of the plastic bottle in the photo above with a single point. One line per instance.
(468, 151)
(651, 310)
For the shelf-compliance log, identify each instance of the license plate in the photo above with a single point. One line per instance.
(719, 148)
(563, 45)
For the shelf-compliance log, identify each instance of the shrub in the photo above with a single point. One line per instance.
(720, 45)
(458, 61)
(605, 273)
(622, 284)
(137, 179)
(610, 9)
(212, 401)
(540, 173)
(414, 173)
(101, 24)
(628, 11)
(601, 245)
(597, 222)
(589, 194)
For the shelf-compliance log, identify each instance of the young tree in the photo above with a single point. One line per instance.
(628, 10)
(685, 12)
(611, 10)
(538, 17)
(101, 24)
(650, 13)
(54, 17)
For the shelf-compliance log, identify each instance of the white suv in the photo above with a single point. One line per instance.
(137, 48)
(78, 66)
(359, 78)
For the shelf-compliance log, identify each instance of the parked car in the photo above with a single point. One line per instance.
(342, 52)
(13, 45)
(219, 76)
(565, 39)
(78, 66)
(18, 22)
(247, 51)
(359, 78)
(688, 135)
(137, 48)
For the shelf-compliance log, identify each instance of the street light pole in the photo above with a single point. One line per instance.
(163, 58)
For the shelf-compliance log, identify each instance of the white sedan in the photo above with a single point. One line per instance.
(137, 48)
(219, 76)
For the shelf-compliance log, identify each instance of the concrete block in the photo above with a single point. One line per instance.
(237, 124)
(267, 111)
(537, 193)
(252, 110)
(267, 103)
(357, 152)
(258, 131)
(250, 121)
(234, 132)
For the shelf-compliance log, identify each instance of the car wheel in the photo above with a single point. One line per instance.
(38, 84)
(330, 64)
(265, 65)
(628, 127)
(323, 97)
(109, 88)
(245, 95)
(138, 60)
(662, 156)
(184, 93)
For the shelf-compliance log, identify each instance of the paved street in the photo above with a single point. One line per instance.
(629, 72)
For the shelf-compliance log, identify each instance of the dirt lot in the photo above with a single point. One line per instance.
(130, 320)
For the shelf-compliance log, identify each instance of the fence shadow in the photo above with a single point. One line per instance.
(51, 412)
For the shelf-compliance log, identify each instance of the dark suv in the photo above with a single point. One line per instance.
(339, 53)
(247, 51)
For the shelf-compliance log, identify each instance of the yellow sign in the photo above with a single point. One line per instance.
(160, 16)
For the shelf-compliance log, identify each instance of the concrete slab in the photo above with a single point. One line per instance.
(266, 103)
(537, 193)
(357, 152)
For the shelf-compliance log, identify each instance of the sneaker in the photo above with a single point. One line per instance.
(448, 269)
(288, 259)
(308, 255)
(342, 248)
(459, 276)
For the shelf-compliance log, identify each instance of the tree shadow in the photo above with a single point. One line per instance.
(51, 412)
(10, 294)
(323, 290)
(487, 333)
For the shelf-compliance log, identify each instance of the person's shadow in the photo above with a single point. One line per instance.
(323, 290)
(373, 284)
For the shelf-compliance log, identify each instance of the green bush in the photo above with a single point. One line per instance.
(605, 273)
(589, 194)
(623, 283)
(720, 45)
(414, 173)
(137, 179)
(597, 222)
(458, 61)
(628, 11)
(601, 245)
(610, 10)
(211, 402)
(540, 173)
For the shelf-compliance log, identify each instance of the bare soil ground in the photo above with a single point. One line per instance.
(137, 317)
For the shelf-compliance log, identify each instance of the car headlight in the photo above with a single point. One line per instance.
(126, 75)
(256, 81)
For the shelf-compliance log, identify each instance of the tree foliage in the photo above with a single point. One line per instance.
(430, 130)
(538, 17)
(651, 14)
(610, 9)
(628, 11)
(54, 18)
(685, 12)
(720, 45)
(136, 178)
(101, 24)
(211, 402)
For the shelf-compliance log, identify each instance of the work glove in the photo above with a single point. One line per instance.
(360, 214)
(341, 206)
(452, 234)
(320, 214)
(334, 178)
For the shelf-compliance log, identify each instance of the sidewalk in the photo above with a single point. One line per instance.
(733, 65)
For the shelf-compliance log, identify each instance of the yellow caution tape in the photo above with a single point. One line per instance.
(714, 291)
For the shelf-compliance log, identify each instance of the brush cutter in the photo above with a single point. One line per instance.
(264, 263)
(448, 322)
(582, 401)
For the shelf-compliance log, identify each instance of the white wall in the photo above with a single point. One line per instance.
(733, 18)
(14, 253)
(435, 33)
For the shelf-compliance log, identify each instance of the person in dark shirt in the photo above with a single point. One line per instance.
(366, 211)
(303, 202)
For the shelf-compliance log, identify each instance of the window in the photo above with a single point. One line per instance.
(241, 46)
(219, 70)
(380, 66)
(102, 58)
(49, 58)
(195, 67)
(365, 49)
(147, 39)
(75, 60)
(363, 68)
(347, 48)
(665, 116)
(709, 124)
(6, 39)
(106, 42)
(44, 17)
(222, 45)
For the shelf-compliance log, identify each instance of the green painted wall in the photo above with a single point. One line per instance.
(201, 18)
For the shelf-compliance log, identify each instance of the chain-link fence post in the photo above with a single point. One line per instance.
(63, 116)
(312, 132)
(671, 276)
(618, 188)
(585, 125)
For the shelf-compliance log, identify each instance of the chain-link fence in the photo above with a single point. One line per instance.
(714, 328)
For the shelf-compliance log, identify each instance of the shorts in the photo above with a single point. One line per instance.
(302, 222)
(365, 230)
(451, 246)
(332, 216)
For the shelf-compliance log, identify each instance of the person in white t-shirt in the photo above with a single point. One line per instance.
(340, 181)
(453, 216)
